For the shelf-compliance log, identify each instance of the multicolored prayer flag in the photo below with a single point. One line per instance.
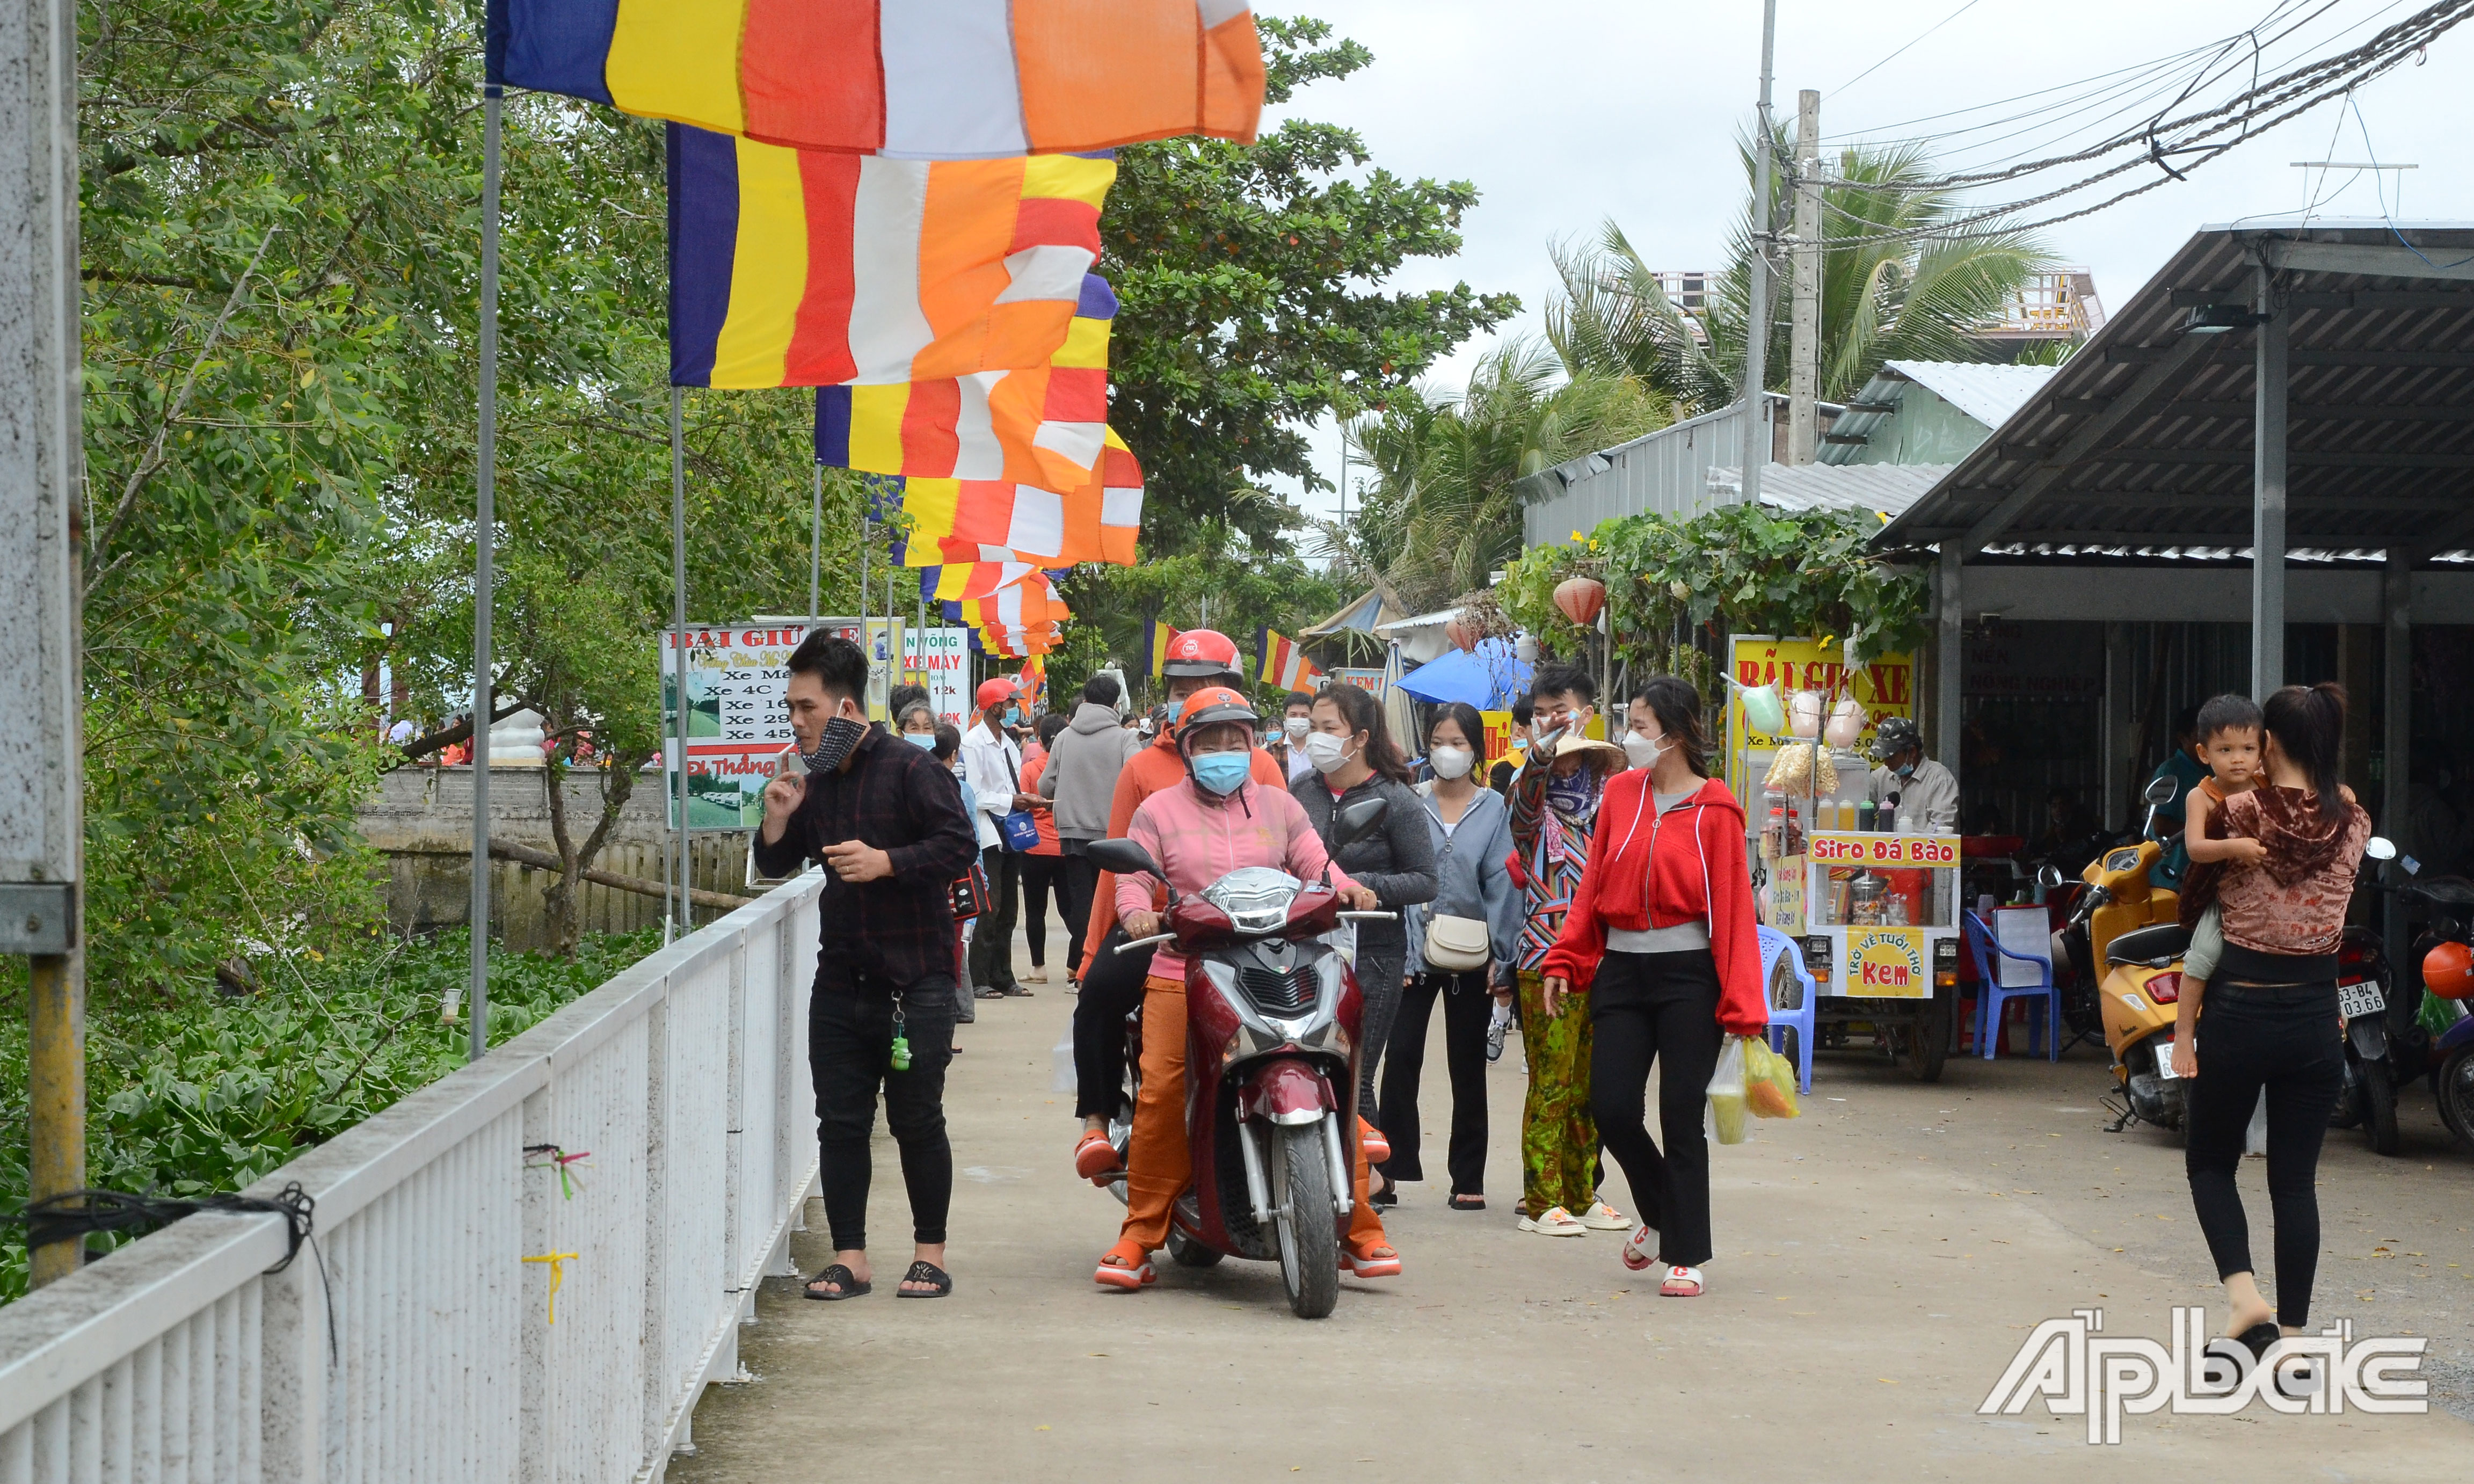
(971, 580)
(1045, 426)
(1030, 682)
(1283, 662)
(802, 268)
(992, 521)
(1156, 638)
(958, 79)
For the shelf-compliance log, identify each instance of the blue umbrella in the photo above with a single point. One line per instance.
(1489, 678)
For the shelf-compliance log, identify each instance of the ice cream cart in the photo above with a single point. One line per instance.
(1875, 917)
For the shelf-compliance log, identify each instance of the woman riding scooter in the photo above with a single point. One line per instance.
(1216, 821)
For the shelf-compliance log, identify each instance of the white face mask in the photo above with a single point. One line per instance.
(1327, 753)
(1451, 761)
(1296, 728)
(1645, 751)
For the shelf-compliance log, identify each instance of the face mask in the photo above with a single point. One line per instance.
(833, 747)
(1451, 761)
(1297, 727)
(1644, 751)
(1013, 716)
(1223, 772)
(1327, 753)
(1907, 769)
(927, 740)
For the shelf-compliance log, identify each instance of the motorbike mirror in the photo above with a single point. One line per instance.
(1357, 821)
(2159, 792)
(2379, 848)
(2048, 875)
(1122, 857)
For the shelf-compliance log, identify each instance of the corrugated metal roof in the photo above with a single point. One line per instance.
(1988, 394)
(1884, 489)
(2141, 441)
(1658, 473)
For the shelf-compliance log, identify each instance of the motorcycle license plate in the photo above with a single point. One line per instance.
(2362, 998)
(2165, 1060)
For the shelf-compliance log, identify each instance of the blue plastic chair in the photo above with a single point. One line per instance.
(1991, 994)
(1774, 943)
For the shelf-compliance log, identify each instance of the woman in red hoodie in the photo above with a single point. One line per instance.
(1659, 947)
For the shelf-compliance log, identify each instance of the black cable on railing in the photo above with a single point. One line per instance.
(72, 1215)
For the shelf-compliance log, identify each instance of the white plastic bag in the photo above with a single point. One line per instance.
(1061, 1076)
(1727, 1092)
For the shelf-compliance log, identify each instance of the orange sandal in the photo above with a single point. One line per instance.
(1378, 1149)
(1095, 1158)
(1125, 1266)
(1378, 1260)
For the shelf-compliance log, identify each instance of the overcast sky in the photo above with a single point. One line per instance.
(1566, 112)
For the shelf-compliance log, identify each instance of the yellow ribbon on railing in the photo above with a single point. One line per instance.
(557, 1276)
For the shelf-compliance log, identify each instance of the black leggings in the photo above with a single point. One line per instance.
(1040, 875)
(1466, 1006)
(2285, 1038)
(850, 1044)
(1661, 1006)
(1111, 991)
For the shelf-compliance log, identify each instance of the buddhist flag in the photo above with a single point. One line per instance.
(992, 521)
(1045, 426)
(970, 580)
(1284, 662)
(1156, 638)
(798, 268)
(1028, 604)
(1031, 684)
(955, 80)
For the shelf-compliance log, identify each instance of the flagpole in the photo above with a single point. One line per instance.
(484, 518)
(816, 542)
(679, 637)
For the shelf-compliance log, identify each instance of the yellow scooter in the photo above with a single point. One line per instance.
(2133, 930)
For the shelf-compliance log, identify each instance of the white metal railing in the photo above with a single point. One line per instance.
(413, 1340)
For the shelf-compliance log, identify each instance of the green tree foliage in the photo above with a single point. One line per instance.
(1223, 580)
(1441, 512)
(1245, 274)
(1921, 298)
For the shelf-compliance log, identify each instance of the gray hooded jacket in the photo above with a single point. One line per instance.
(1081, 778)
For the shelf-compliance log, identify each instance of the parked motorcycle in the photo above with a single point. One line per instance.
(2453, 1083)
(1271, 1066)
(2131, 930)
(2386, 1046)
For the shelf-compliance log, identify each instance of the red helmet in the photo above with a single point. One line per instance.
(994, 692)
(1208, 707)
(1201, 651)
(2448, 971)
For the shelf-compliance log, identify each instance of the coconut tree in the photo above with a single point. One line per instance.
(1900, 280)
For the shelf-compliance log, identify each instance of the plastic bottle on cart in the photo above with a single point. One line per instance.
(1794, 845)
(1865, 817)
(1774, 833)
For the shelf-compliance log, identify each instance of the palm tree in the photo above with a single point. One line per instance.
(1440, 512)
(1921, 295)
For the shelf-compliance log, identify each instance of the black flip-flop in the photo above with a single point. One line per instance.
(1464, 1203)
(852, 1287)
(926, 1271)
(2258, 1338)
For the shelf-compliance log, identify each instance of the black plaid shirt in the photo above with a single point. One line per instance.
(894, 935)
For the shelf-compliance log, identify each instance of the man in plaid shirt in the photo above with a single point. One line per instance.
(885, 821)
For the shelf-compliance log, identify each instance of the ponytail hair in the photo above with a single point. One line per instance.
(1363, 713)
(2309, 725)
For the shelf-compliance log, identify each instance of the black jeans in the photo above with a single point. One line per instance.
(1661, 1006)
(992, 936)
(850, 1044)
(1378, 989)
(1466, 1007)
(1111, 991)
(1078, 883)
(1042, 875)
(2283, 1038)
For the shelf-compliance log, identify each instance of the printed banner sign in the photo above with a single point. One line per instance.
(1885, 685)
(1886, 849)
(739, 719)
(1887, 963)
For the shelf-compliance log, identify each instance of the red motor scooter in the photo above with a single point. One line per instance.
(1270, 1067)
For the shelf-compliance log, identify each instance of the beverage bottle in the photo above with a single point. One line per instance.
(1864, 817)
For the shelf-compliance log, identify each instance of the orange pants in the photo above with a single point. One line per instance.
(1160, 1164)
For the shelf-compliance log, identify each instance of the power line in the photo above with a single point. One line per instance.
(1903, 50)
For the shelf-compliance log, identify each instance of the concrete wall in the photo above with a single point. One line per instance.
(421, 819)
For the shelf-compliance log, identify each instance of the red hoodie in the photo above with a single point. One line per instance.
(1648, 871)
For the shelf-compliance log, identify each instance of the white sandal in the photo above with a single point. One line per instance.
(1680, 1283)
(1602, 1217)
(1642, 1249)
(1556, 1222)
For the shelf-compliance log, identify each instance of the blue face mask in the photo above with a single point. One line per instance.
(1907, 769)
(1223, 772)
(927, 740)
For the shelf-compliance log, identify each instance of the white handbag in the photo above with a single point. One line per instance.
(1458, 944)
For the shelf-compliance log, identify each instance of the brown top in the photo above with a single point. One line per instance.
(2293, 902)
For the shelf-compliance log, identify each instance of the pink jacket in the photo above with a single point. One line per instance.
(1198, 838)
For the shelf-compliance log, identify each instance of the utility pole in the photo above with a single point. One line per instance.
(1804, 344)
(42, 823)
(1756, 322)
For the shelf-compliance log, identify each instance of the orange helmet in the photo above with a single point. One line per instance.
(2448, 971)
(1210, 706)
(1201, 651)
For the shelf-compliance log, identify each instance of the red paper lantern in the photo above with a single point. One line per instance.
(1580, 599)
(1462, 636)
